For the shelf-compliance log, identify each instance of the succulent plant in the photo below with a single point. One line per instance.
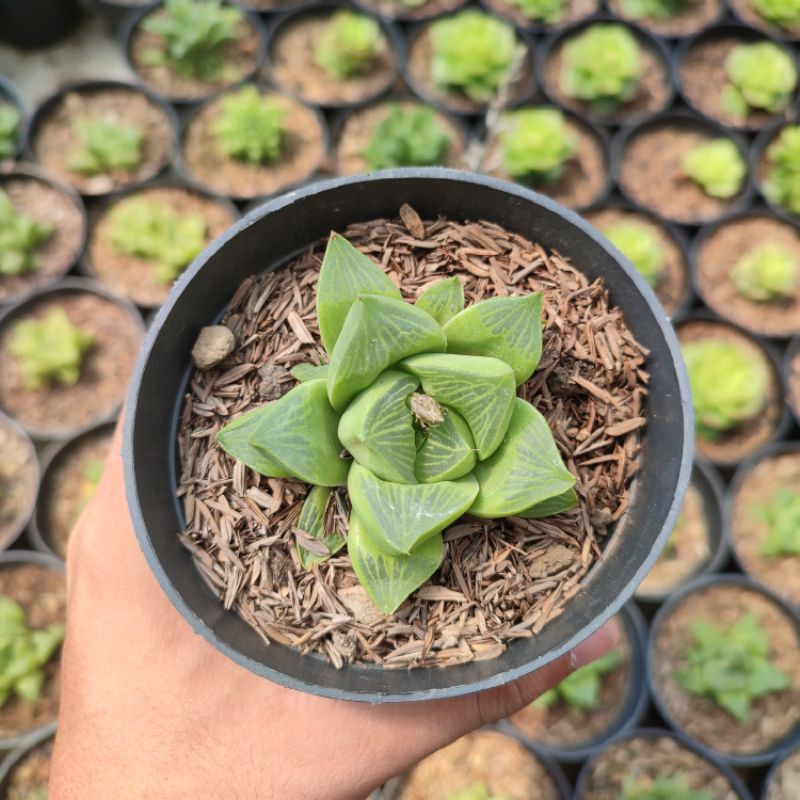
(658, 10)
(472, 53)
(423, 400)
(349, 45)
(477, 791)
(662, 787)
(549, 11)
(782, 182)
(729, 386)
(157, 233)
(785, 13)
(766, 274)
(535, 144)
(762, 77)
(20, 237)
(640, 246)
(196, 34)
(730, 665)
(250, 127)
(105, 146)
(781, 517)
(407, 138)
(581, 690)
(50, 350)
(24, 652)
(601, 65)
(9, 126)
(717, 167)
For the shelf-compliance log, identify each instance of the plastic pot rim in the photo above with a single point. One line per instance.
(16, 531)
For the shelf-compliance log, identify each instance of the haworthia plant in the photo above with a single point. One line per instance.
(416, 415)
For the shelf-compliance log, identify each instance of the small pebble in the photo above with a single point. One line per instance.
(214, 344)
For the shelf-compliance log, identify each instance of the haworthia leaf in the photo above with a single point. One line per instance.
(296, 433)
(399, 516)
(448, 452)
(387, 579)
(309, 372)
(312, 522)
(553, 505)
(526, 469)
(442, 299)
(346, 275)
(508, 328)
(378, 427)
(378, 332)
(482, 390)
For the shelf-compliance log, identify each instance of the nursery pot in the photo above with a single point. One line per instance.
(289, 224)
(757, 153)
(9, 94)
(18, 431)
(37, 23)
(793, 398)
(15, 756)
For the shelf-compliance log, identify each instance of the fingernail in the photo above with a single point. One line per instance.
(597, 645)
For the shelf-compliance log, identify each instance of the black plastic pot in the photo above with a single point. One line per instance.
(16, 430)
(773, 773)
(507, 11)
(742, 793)
(290, 224)
(403, 13)
(634, 703)
(745, 35)
(664, 29)
(738, 10)
(37, 23)
(15, 756)
(9, 94)
(741, 760)
(757, 153)
(791, 356)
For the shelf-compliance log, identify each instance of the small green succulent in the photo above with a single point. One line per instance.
(472, 53)
(159, 234)
(349, 45)
(477, 791)
(581, 690)
(662, 787)
(20, 238)
(785, 13)
(766, 274)
(9, 127)
(717, 167)
(782, 182)
(640, 246)
(423, 400)
(535, 144)
(658, 10)
(730, 665)
(196, 35)
(407, 138)
(250, 127)
(762, 77)
(24, 653)
(549, 11)
(729, 386)
(602, 66)
(781, 516)
(50, 350)
(105, 146)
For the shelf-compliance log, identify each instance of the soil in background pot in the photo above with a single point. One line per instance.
(29, 778)
(19, 480)
(398, 9)
(793, 380)
(574, 11)
(784, 780)
(694, 16)
(748, 14)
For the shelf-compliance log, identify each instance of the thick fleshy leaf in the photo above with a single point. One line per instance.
(378, 332)
(508, 328)
(481, 389)
(526, 469)
(378, 427)
(296, 434)
(312, 522)
(309, 372)
(553, 505)
(399, 516)
(448, 452)
(346, 275)
(442, 299)
(388, 579)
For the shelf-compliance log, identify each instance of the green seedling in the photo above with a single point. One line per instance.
(50, 350)
(729, 386)
(9, 126)
(90, 480)
(730, 665)
(424, 404)
(477, 791)
(105, 146)
(762, 78)
(717, 167)
(349, 45)
(640, 245)
(196, 35)
(472, 53)
(785, 13)
(662, 787)
(781, 518)
(581, 690)
(24, 653)
(602, 66)
(21, 236)
(768, 273)
(782, 182)
(549, 11)
(535, 144)
(158, 234)
(658, 10)
(414, 138)
(250, 127)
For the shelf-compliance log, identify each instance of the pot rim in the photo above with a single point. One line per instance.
(792, 351)
(758, 149)
(13, 757)
(27, 514)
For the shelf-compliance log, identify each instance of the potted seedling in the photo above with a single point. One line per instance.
(791, 371)
(612, 72)
(276, 6)
(776, 164)
(25, 772)
(467, 60)
(11, 121)
(188, 50)
(778, 18)
(539, 16)
(724, 663)
(747, 269)
(332, 56)
(19, 480)
(673, 18)
(65, 357)
(410, 10)
(783, 778)
(248, 143)
(398, 132)
(552, 151)
(681, 168)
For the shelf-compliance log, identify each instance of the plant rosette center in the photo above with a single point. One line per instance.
(416, 414)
